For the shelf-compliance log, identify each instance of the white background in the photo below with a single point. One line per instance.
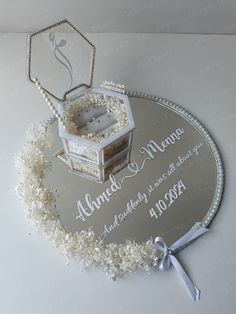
(196, 71)
(176, 16)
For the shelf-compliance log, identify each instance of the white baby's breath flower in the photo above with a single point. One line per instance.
(32, 166)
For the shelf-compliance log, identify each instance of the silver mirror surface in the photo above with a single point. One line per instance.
(174, 179)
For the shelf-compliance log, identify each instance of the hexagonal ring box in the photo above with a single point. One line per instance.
(97, 123)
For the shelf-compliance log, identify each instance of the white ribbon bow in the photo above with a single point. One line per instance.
(169, 259)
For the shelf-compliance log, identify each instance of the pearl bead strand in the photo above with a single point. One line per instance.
(49, 102)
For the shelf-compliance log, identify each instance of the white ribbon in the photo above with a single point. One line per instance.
(169, 259)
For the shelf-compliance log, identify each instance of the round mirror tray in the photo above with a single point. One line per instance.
(174, 179)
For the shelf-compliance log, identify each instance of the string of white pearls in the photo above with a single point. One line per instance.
(49, 102)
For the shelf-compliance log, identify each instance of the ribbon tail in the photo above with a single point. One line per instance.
(192, 289)
(165, 262)
(192, 234)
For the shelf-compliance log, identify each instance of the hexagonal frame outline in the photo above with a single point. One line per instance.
(65, 21)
